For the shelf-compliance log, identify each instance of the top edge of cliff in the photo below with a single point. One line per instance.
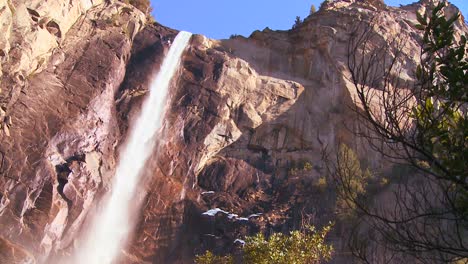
(375, 5)
(371, 7)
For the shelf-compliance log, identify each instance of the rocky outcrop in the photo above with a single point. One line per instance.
(246, 125)
(31, 31)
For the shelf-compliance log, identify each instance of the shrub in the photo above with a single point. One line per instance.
(300, 167)
(351, 180)
(307, 166)
(210, 258)
(321, 183)
(299, 247)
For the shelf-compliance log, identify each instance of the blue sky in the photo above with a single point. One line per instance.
(220, 18)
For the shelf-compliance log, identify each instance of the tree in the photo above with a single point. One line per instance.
(297, 22)
(305, 246)
(351, 181)
(421, 125)
(313, 9)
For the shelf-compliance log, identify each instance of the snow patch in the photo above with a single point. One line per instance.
(240, 241)
(233, 216)
(213, 212)
(254, 215)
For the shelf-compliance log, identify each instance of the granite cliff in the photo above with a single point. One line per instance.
(247, 122)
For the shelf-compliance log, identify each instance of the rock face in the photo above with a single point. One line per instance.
(30, 33)
(246, 124)
(58, 144)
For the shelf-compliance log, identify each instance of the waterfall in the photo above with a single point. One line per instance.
(110, 227)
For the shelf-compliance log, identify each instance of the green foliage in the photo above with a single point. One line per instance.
(384, 181)
(210, 258)
(321, 184)
(301, 167)
(441, 113)
(313, 9)
(352, 180)
(307, 166)
(299, 247)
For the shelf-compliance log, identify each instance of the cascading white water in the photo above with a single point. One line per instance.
(111, 227)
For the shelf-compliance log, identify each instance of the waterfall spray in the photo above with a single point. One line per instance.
(111, 226)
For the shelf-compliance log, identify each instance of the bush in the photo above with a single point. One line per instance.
(321, 183)
(299, 247)
(301, 167)
(351, 180)
(210, 258)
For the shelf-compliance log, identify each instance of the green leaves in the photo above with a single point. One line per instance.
(441, 115)
(422, 19)
(210, 258)
(299, 247)
(352, 181)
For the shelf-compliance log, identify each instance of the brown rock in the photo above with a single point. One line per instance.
(11, 253)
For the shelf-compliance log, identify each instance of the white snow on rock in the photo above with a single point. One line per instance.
(240, 241)
(254, 215)
(231, 216)
(213, 212)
